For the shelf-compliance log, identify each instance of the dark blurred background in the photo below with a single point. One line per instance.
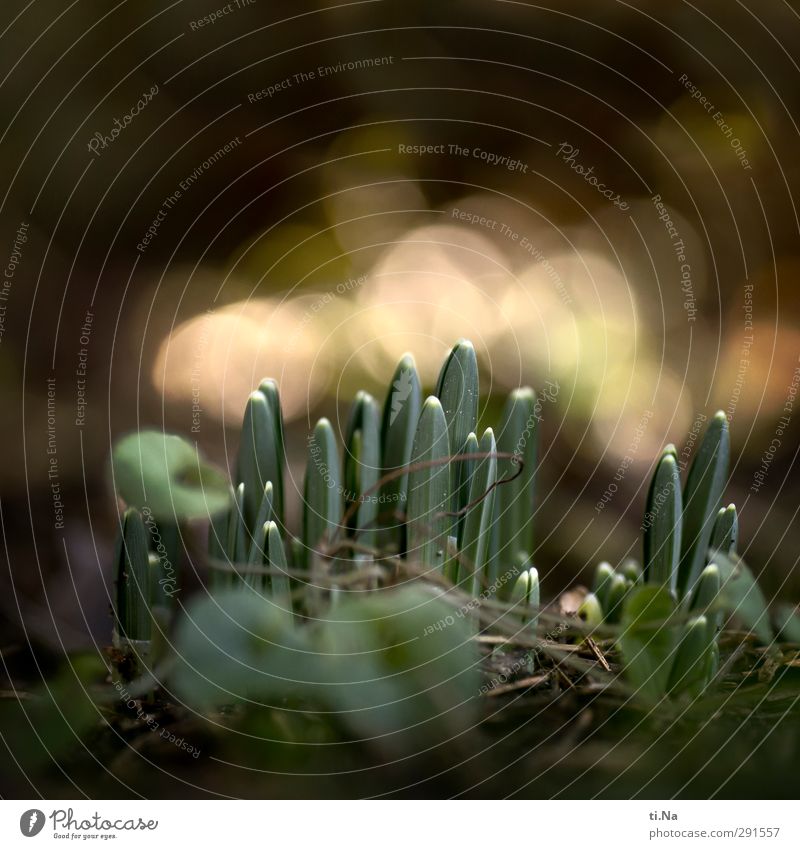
(607, 203)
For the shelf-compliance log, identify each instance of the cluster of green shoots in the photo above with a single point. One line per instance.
(685, 532)
(415, 483)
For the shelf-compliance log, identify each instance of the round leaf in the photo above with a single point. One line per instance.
(165, 474)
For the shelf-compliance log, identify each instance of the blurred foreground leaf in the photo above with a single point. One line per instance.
(235, 646)
(648, 640)
(165, 474)
(742, 597)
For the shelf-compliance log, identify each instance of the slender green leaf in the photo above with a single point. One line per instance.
(662, 523)
(701, 500)
(466, 468)
(265, 514)
(429, 487)
(726, 530)
(253, 543)
(648, 639)
(275, 557)
(474, 554)
(165, 474)
(362, 466)
(275, 464)
(401, 411)
(457, 389)
(132, 574)
(787, 619)
(691, 666)
(322, 510)
(525, 596)
(518, 435)
(296, 552)
(260, 458)
(159, 586)
(401, 668)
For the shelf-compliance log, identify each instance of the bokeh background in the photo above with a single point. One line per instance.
(262, 213)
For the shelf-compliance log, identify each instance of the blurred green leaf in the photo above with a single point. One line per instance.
(400, 668)
(741, 596)
(235, 645)
(618, 591)
(466, 469)
(237, 546)
(692, 658)
(275, 557)
(706, 596)
(457, 389)
(648, 640)
(46, 726)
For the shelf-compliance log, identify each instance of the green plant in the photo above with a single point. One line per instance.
(416, 485)
(383, 663)
(136, 593)
(670, 612)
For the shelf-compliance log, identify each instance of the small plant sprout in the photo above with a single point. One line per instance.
(518, 443)
(683, 531)
(261, 452)
(525, 597)
(726, 530)
(136, 580)
(473, 556)
(401, 411)
(322, 497)
(591, 611)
